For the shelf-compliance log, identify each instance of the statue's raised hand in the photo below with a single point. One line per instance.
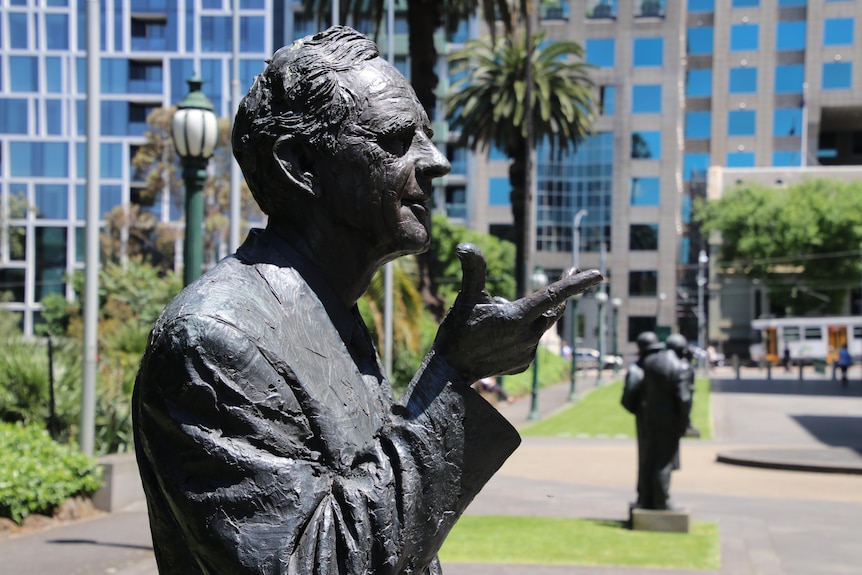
(483, 336)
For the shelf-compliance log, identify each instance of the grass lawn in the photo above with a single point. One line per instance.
(552, 369)
(562, 541)
(600, 414)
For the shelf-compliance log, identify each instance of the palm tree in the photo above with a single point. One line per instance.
(487, 105)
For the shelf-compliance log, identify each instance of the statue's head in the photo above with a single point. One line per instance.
(646, 340)
(330, 127)
(678, 343)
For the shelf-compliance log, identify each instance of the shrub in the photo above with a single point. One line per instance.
(37, 473)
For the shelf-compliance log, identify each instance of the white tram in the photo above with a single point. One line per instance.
(808, 338)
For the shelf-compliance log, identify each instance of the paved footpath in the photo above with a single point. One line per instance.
(771, 521)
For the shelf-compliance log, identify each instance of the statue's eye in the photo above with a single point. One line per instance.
(397, 143)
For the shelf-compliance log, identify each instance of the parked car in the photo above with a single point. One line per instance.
(588, 358)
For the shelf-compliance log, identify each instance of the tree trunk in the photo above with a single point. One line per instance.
(518, 199)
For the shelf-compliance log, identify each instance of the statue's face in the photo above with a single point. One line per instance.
(383, 170)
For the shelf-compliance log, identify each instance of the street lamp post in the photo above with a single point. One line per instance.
(576, 249)
(601, 300)
(702, 260)
(615, 305)
(194, 131)
(539, 281)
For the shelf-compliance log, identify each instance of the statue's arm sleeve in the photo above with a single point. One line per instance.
(255, 484)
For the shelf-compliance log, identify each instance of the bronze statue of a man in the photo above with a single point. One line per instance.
(266, 433)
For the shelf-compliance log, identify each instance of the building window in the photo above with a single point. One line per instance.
(648, 52)
(498, 192)
(52, 201)
(150, 32)
(643, 237)
(787, 122)
(838, 32)
(651, 9)
(601, 9)
(639, 324)
(740, 159)
(791, 3)
(601, 52)
(744, 37)
(646, 99)
(643, 283)
(698, 83)
(746, 3)
(645, 191)
(50, 261)
(18, 29)
(701, 5)
(685, 209)
(456, 202)
(13, 116)
(694, 167)
(646, 146)
(786, 159)
(836, 75)
(145, 77)
(741, 122)
(608, 100)
(699, 41)
(57, 31)
(54, 117)
(698, 125)
(743, 80)
(457, 156)
(554, 10)
(790, 36)
(23, 73)
(39, 159)
(789, 79)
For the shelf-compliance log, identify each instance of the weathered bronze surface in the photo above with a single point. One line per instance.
(266, 432)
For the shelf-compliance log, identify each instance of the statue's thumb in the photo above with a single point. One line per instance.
(473, 268)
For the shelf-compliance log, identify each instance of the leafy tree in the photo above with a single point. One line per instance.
(803, 242)
(487, 105)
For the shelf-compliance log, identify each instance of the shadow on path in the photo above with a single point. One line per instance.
(823, 387)
(834, 430)
(100, 543)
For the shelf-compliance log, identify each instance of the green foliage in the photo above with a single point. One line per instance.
(567, 541)
(802, 242)
(37, 473)
(599, 414)
(499, 256)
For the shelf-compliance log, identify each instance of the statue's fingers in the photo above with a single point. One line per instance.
(556, 294)
(473, 269)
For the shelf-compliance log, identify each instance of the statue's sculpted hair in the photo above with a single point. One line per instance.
(298, 94)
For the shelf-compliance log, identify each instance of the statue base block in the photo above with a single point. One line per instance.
(667, 520)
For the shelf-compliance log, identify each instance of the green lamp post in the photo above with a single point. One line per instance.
(539, 281)
(194, 131)
(615, 304)
(601, 300)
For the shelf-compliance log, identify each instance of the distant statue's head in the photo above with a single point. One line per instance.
(330, 127)
(646, 340)
(678, 343)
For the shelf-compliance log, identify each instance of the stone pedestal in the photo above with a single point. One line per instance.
(673, 521)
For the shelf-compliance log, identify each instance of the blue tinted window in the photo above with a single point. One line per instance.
(698, 83)
(211, 4)
(216, 34)
(648, 52)
(496, 153)
(790, 36)
(115, 117)
(698, 125)
(23, 73)
(211, 70)
(786, 159)
(39, 159)
(18, 30)
(601, 52)
(787, 122)
(646, 99)
(57, 3)
(838, 32)
(789, 79)
(744, 37)
(111, 160)
(114, 75)
(786, 3)
(741, 122)
(740, 159)
(54, 117)
(498, 192)
(743, 80)
(608, 100)
(700, 40)
(182, 70)
(149, 34)
(251, 34)
(54, 74)
(57, 31)
(685, 215)
(52, 201)
(695, 166)
(145, 77)
(601, 8)
(645, 192)
(837, 75)
(685, 241)
(746, 3)
(13, 116)
(646, 145)
(110, 196)
(701, 5)
(138, 114)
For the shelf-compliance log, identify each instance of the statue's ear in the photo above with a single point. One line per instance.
(294, 165)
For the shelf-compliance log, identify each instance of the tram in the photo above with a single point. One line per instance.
(809, 339)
